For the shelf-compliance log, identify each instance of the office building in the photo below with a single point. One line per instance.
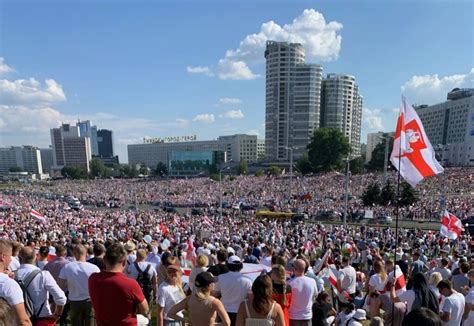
(292, 101)
(373, 139)
(105, 143)
(450, 127)
(341, 108)
(236, 148)
(46, 159)
(260, 149)
(70, 148)
(86, 129)
(193, 163)
(24, 158)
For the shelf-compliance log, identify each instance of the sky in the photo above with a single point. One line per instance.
(177, 68)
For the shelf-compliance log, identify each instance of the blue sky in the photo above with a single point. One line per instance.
(167, 68)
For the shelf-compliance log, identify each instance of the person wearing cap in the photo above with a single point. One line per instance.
(233, 287)
(116, 298)
(170, 292)
(358, 318)
(203, 308)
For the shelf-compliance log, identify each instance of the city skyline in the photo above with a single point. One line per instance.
(183, 68)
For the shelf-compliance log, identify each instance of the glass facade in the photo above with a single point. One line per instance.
(190, 162)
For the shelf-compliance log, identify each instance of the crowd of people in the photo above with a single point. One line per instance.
(120, 266)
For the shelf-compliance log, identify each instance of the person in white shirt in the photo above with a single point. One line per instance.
(75, 277)
(41, 287)
(469, 307)
(347, 279)
(233, 287)
(149, 269)
(9, 289)
(453, 306)
(303, 292)
(43, 254)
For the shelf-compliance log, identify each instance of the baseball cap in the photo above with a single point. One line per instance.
(233, 260)
(204, 279)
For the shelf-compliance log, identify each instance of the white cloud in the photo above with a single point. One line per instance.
(199, 70)
(233, 114)
(206, 118)
(319, 38)
(30, 91)
(228, 101)
(431, 89)
(4, 68)
(372, 119)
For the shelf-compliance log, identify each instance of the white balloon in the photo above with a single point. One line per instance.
(147, 238)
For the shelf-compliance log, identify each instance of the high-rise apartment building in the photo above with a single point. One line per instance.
(342, 108)
(46, 159)
(86, 129)
(70, 148)
(450, 127)
(292, 100)
(26, 158)
(105, 143)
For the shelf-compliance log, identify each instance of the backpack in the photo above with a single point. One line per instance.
(28, 301)
(144, 281)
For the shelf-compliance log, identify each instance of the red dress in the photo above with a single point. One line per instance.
(278, 297)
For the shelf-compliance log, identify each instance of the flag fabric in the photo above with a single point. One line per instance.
(451, 226)
(207, 220)
(164, 230)
(331, 274)
(190, 252)
(38, 215)
(412, 152)
(400, 283)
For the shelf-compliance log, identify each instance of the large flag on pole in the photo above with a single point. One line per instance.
(38, 215)
(451, 226)
(412, 152)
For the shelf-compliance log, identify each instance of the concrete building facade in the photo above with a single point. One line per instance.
(26, 158)
(292, 100)
(46, 159)
(450, 127)
(69, 148)
(342, 108)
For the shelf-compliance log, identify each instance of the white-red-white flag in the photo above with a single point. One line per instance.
(412, 152)
(451, 226)
(207, 220)
(38, 215)
(399, 279)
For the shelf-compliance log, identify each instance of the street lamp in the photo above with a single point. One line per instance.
(385, 159)
(290, 149)
(346, 191)
(220, 188)
(442, 148)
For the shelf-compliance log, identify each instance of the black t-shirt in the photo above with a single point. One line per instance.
(99, 262)
(218, 269)
(320, 313)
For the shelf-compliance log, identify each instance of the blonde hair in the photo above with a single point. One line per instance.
(6, 313)
(379, 269)
(179, 281)
(280, 272)
(435, 278)
(202, 260)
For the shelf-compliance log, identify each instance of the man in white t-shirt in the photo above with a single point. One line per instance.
(347, 279)
(10, 291)
(233, 287)
(303, 292)
(148, 269)
(75, 277)
(453, 306)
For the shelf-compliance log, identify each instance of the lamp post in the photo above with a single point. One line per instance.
(346, 191)
(290, 149)
(220, 188)
(385, 159)
(442, 147)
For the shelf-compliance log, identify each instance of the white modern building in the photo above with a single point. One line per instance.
(25, 158)
(342, 108)
(292, 101)
(238, 148)
(450, 127)
(69, 148)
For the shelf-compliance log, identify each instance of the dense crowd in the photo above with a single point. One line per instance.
(112, 266)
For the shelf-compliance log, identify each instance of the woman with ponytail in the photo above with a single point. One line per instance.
(281, 290)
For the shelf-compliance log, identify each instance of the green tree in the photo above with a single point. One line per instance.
(327, 149)
(304, 165)
(274, 170)
(371, 194)
(143, 169)
(130, 171)
(98, 169)
(73, 172)
(378, 155)
(243, 168)
(260, 173)
(408, 195)
(215, 177)
(161, 169)
(357, 165)
(388, 194)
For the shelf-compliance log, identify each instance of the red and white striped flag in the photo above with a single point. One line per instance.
(207, 220)
(343, 297)
(38, 215)
(451, 226)
(412, 152)
(400, 283)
